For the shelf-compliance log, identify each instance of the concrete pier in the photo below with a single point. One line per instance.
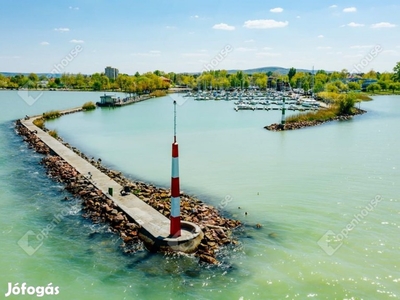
(155, 227)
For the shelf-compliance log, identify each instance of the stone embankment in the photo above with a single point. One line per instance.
(99, 208)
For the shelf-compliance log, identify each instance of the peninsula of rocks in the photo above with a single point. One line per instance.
(217, 230)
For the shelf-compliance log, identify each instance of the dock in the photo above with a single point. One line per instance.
(237, 108)
(155, 227)
(112, 101)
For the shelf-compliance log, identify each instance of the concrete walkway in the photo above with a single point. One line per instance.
(152, 221)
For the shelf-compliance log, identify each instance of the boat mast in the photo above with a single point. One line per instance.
(312, 83)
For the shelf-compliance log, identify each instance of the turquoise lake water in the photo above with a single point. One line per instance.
(307, 188)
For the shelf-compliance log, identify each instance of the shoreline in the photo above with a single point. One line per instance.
(217, 229)
(304, 124)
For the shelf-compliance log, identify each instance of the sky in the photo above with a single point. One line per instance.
(192, 36)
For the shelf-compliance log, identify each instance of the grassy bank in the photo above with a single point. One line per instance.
(319, 115)
(158, 93)
(89, 106)
(340, 105)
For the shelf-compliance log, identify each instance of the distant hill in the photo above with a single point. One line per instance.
(11, 74)
(280, 70)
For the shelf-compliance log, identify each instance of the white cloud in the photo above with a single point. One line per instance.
(391, 52)
(353, 56)
(353, 24)
(195, 17)
(320, 36)
(44, 43)
(383, 25)
(349, 9)
(223, 26)
(249, 41)
(194, 54)
(74, 8)
(361, 46)
(324, 48)
(10, 57)
(76, 41)
(61, 29)
(244, 49)
(269, 54)
(276, 10)
(333, 6)
(298, 17)
(152, 53)
(264, 24)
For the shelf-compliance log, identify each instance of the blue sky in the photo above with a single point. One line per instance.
(184, 36)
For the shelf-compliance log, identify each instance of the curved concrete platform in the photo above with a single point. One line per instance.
(154, 230)
(190, 239)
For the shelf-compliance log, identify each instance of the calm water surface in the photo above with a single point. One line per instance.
(299, 185)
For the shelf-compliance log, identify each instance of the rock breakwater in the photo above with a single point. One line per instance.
(100, 208)
(303, 124)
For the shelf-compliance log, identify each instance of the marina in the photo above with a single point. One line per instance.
(261, 100)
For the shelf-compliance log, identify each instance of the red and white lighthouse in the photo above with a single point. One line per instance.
(175, 218)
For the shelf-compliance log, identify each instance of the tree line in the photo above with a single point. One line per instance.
(336, 81)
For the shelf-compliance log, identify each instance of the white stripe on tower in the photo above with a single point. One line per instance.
(175, 167)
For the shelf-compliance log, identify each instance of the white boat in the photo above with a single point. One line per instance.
(243, 106)
(308, 102)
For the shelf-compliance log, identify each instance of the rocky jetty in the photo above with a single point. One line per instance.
(302, 124)
(99, 208)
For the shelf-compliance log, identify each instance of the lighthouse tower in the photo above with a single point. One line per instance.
(175, 218)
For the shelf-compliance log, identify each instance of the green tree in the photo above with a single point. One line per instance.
(354, 86)
(96, 86)
(318, 87)
(291, 73)
(384, 84)
(260, 80)
(394, 86)
(240, 78)
(373, 87)
(33, 77)
(370, 75)
(396, 70)
(346, 103)
(331, 87)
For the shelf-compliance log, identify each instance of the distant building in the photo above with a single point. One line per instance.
(366, 83)
(165, 79)
(111, 73)
(43, 83)
(107, 100)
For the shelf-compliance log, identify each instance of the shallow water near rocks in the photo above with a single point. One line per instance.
(298, 185)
